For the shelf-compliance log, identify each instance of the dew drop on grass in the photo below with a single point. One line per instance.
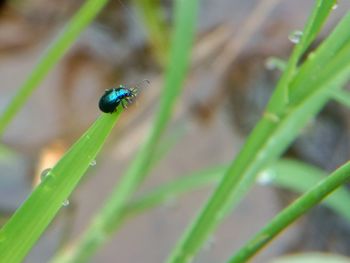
(295, 36)
(93, 163)
(65, 203)
(44, 174)
(270, 64)
(209, 244)
(266, 177)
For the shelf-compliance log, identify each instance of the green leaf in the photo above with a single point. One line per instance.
(331, 50)
(108, 219)
(314, 24)
(174, 189)
(268, 141)
(50, 58)
(290, 174)
(24, 228)
(300, 177)
(341, 96)
(312, 258)
(292, 213)
(152, 14)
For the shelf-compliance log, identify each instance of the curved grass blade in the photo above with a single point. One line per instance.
(300, 177)
(24, 228)
(52, 55)
(293, 175)
(292, 213)
(311, 257)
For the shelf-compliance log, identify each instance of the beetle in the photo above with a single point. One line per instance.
(111, 99)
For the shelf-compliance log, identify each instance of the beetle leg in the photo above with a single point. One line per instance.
(123, 104)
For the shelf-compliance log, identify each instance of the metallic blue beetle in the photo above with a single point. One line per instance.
(113, 97)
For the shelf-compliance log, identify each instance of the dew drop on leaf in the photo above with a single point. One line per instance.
(44, 173)
(295, 36)
(65, 203)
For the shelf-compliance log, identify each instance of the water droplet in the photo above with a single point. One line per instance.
(295, 36)
(44, 174)
(266, 177)
(335, 6)
(209, 243)
(270, 64)
(65, 203)
(93, 163)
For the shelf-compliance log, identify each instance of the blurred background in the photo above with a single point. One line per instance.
(229, 82)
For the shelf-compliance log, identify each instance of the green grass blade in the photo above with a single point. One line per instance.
(107, 221)
(21, 232)
(290, 174)
(174, 189)
(292, 213)
(269, 139)
(152, 14)
(341, 96)
(333, 45)
(314, 24)
(311, 257)
(49, 59)
(300, 177)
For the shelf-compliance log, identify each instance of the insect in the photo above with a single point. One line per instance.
(111, 99)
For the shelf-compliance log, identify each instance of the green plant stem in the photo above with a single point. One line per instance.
(49, 59)
(292, 212)
(108, 220)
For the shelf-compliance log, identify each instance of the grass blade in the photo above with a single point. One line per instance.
(21, 232)
(300, 177)
(107, 221)
(314, 24)
(292, 213)
(342, 96)
(332, 46)
(153, 17)
(49, 59)
(174, 189)
(269, 139)
(290, 174)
